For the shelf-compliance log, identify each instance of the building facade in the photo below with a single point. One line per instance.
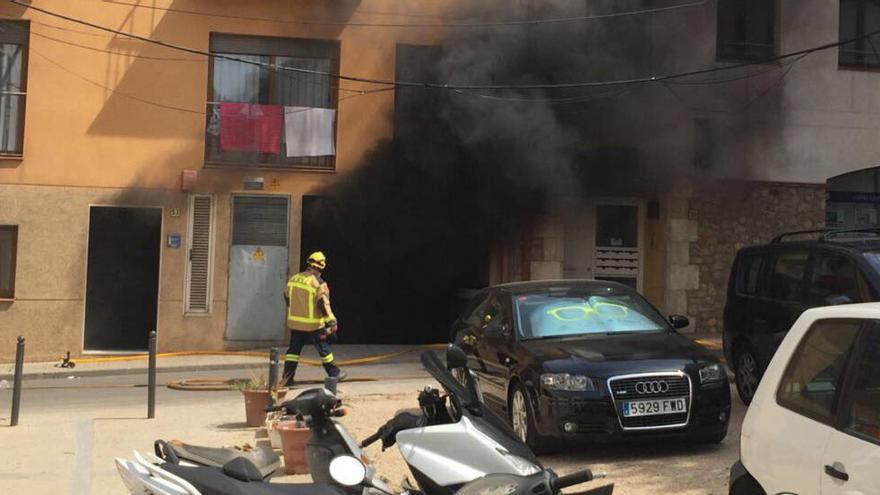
(126, 160)
(115, 165)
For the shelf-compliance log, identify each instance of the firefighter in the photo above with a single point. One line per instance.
(310, 318)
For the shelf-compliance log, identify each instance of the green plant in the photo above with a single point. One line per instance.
(256, 382)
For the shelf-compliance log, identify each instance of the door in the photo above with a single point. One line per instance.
(617, 251)
(122, 278)
(785, 301)
(790, 436)
(853, 454)
(494, 348)
(258, 260)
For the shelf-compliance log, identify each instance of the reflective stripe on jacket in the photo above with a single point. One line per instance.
(305, 312)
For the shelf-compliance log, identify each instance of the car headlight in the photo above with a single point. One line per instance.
(712, 373)
(564, 381)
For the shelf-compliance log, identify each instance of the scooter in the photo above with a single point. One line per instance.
(431, 444)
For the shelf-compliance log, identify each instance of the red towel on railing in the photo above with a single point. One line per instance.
(251, 127)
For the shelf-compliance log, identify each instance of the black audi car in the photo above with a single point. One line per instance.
(587, 359)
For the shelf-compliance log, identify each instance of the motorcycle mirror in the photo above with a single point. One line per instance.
(455, 357)
(347, 470)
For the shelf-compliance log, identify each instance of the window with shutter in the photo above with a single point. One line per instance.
(198, 266)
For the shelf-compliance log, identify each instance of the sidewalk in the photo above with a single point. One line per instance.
(206, 362)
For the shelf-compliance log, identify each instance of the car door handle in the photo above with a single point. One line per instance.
(836, 473)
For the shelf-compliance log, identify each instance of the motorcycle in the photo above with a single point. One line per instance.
(430, 443)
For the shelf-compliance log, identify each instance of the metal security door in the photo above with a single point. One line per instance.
(258, 260)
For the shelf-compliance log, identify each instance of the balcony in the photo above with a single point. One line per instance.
(270, 136)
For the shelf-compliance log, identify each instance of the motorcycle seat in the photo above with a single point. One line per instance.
(214, 481)
(264, 458)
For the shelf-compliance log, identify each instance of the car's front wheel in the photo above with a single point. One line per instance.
(748, 374)
(522, 420)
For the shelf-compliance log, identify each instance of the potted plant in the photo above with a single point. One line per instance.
(294, 435)
(256, 394)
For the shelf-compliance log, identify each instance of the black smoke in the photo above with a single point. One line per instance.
(469, 171)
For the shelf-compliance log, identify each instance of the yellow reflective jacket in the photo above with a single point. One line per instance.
(308, 303)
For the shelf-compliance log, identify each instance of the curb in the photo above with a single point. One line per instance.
(65, 372)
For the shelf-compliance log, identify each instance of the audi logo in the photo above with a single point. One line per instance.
(653, 387)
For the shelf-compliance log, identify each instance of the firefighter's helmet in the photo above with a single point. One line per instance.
(317, 260)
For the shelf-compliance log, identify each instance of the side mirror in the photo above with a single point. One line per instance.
(347, 470)
(455, 357)
(497, 330)
(679, 321)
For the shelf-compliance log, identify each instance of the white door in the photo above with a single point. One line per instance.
(785, 436)
(258, 260)
(851, 463)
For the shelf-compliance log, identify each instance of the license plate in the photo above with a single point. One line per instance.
(654, 406)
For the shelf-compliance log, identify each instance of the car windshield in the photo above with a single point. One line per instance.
(602, 310)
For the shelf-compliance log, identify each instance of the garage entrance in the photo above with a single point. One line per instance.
(382, 298)
(122, 278)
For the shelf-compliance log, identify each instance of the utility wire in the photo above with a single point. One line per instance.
(158, 104)
(331, 22)
(462, 87)
(115, 91)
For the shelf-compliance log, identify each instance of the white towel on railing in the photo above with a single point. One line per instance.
(309, 131)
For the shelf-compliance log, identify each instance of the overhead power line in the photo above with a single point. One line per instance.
(448, 24)
(458, 87)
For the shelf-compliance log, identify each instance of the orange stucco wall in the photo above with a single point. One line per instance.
(98, 131)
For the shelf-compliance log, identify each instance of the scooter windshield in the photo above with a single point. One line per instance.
(438, 370)
(482, 417)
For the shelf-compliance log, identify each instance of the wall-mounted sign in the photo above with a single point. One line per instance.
(174, 212)
(174, 241)
(259, 256)
(253, 183)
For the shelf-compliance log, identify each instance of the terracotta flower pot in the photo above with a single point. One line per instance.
(255, 403)
(293, 445)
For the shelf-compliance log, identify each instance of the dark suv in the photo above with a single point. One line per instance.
(771, 285)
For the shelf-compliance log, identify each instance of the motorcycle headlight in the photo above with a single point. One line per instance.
(524, 467)
(712, 373)
(564, 381)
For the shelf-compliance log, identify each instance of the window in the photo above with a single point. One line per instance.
(272, 118)
(748, 274)
(200, 252)
(8, 248)
(834, 280)
(863, 418)
(13, 85)
(858, 18)
(815, 373)
(416, 109)
(746, 30)
(787, 277)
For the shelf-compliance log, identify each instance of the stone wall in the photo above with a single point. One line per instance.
(733, 215)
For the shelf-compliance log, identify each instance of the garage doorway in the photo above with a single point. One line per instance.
(122, 278)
